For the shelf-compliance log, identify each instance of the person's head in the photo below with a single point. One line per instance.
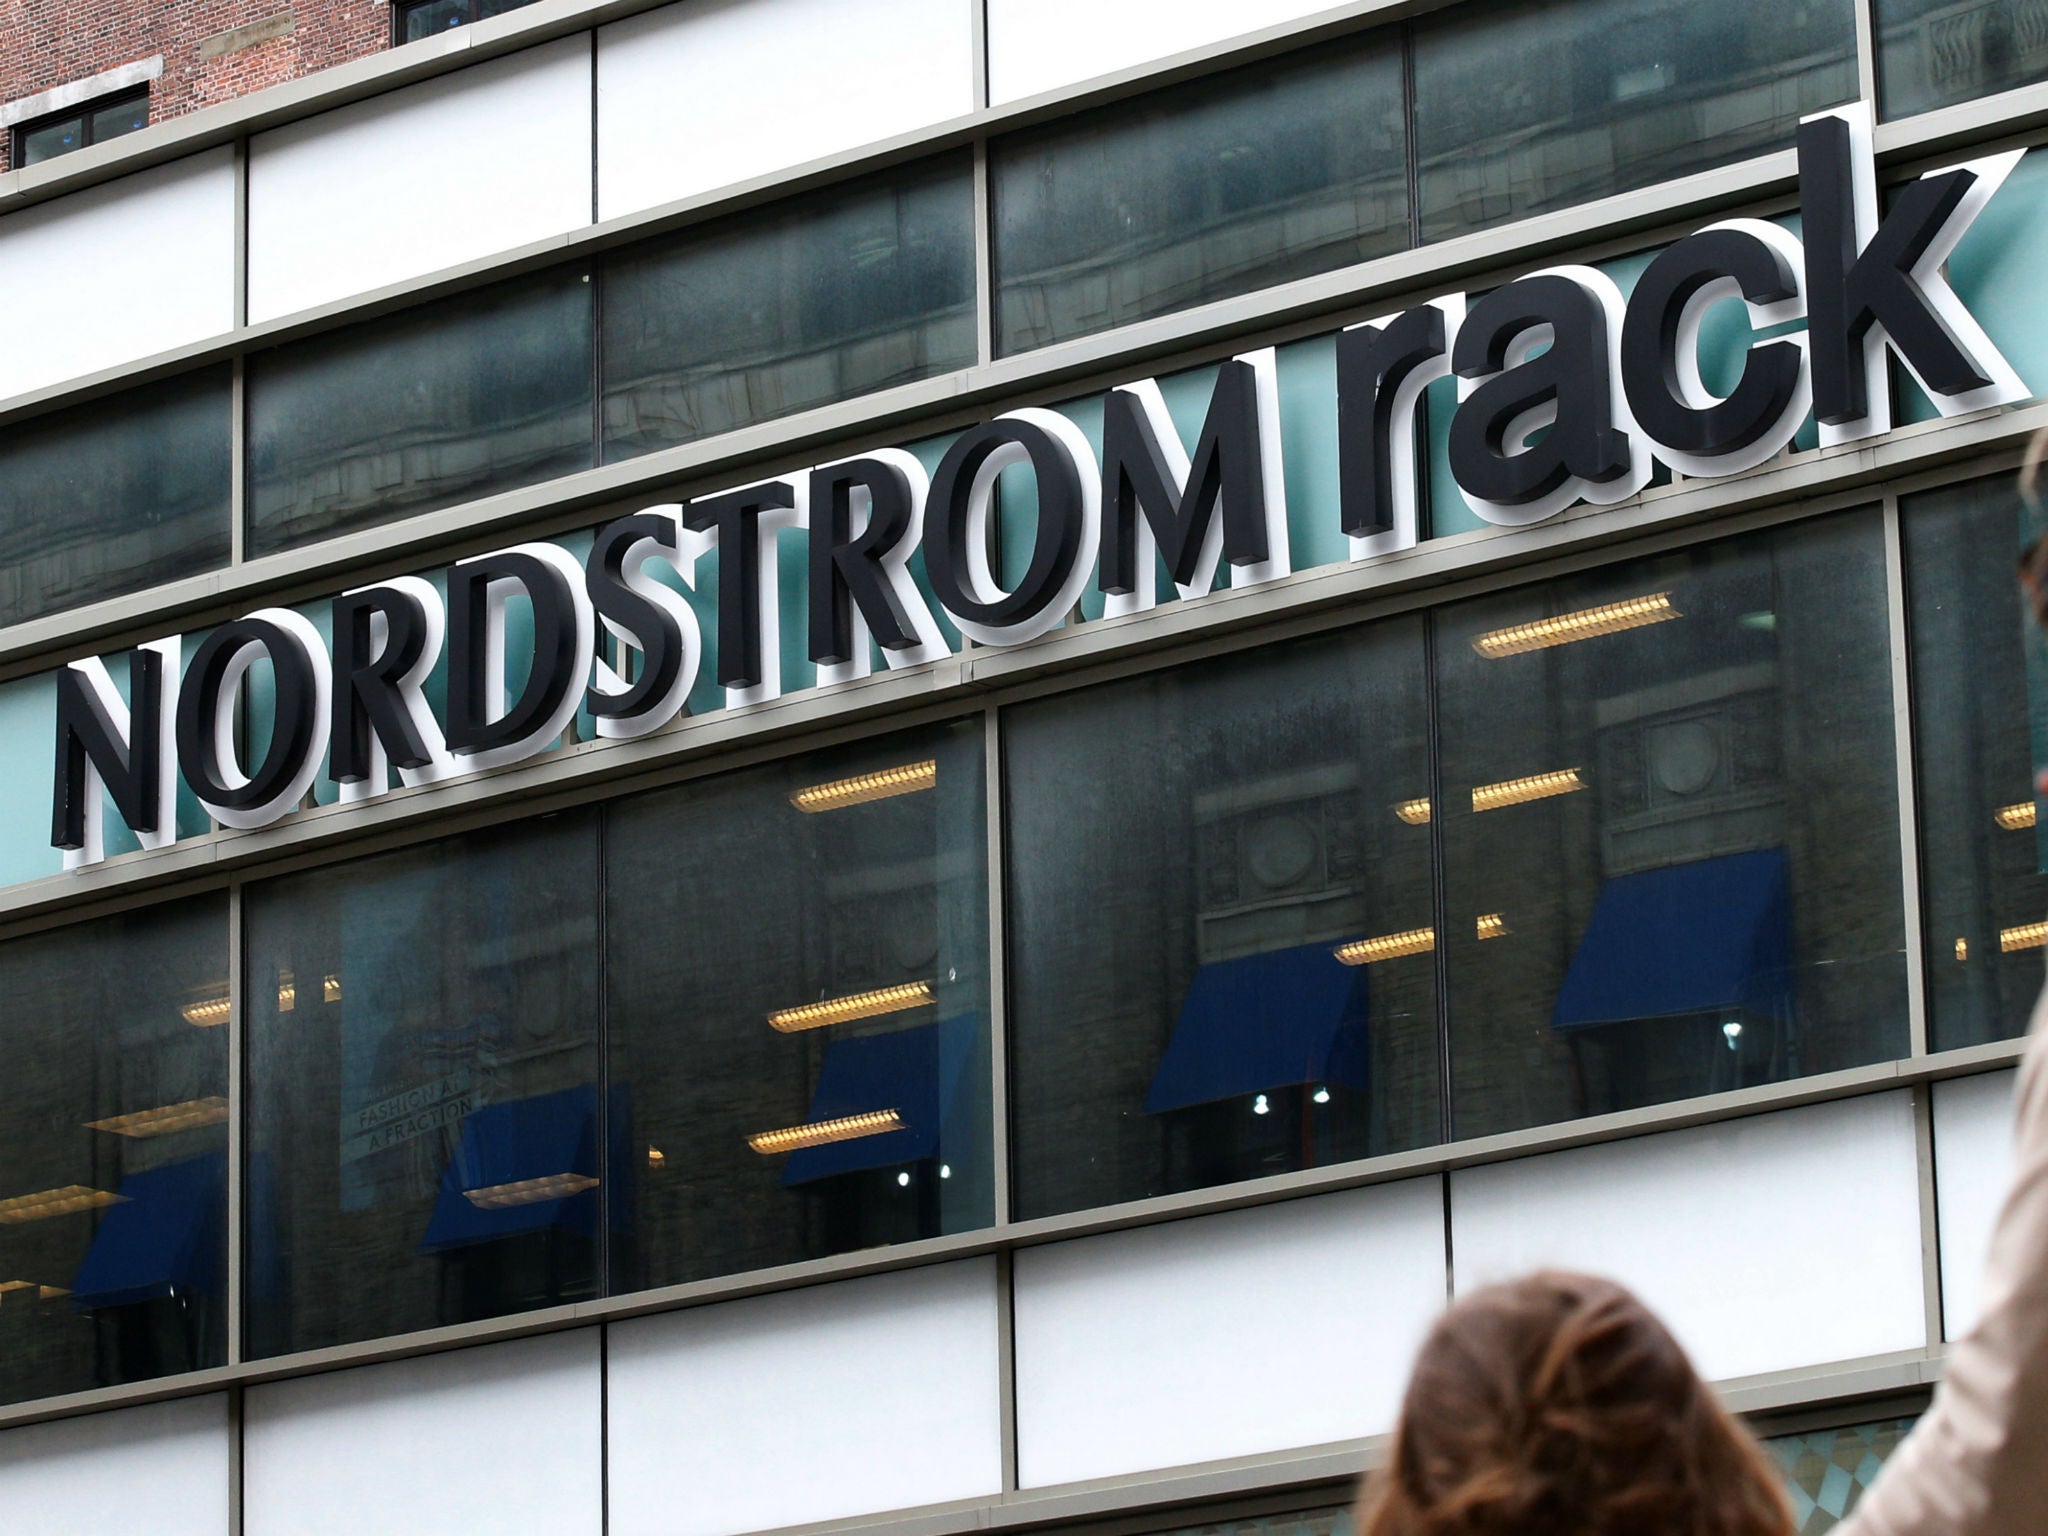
(1560, 1406)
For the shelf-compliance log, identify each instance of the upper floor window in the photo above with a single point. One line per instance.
(107, 118)
(423, 18)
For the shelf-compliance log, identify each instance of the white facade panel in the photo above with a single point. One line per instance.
(505, 1438)
(1220, 1336)
(692, 97)
(371, 194)
(118, 272)
(1973, 1167)
(1040, 45)
(1785, 1240)
(857, 1397)
(162, 1469)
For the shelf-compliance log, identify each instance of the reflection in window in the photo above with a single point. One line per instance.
(425, 18)
(424, 1120)
(1274, 172)
(810, 302)
(1826, 1473)
(1220, 922)
(1603, 96)
(113, 1151)
(1980, 688)
(95, 124)
(115, 495)
(797, 999)
(1669, 788)
(1935, 53)
(460, 398)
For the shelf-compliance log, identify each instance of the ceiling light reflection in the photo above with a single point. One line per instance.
(1416, 941)
(143, 1123)
(847, 1128)
(1538, 786)
(858, 1005)
(1585, 624)
(884, 784)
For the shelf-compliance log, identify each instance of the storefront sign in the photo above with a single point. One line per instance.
(1567, 393)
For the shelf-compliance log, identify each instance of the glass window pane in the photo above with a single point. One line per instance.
(1219, 922)
(788, 948)
(1544, 103)
(115, 495)
(123, 117)
(113, 1151)
(458, 399)
(1980, 691)
(424, 1119)
(1827, 1473)
(1235, 183)
(1934, 53)
(435, 16)
(823, 299)
(51, 139)
(1670, 823)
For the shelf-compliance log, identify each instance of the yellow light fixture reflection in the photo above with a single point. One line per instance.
(1538, 786)
(1491, 925)
(1414, 812)
(50, 1292)
(2026, 936)
(875, 1122)
(2014, 817)
(883, 784)
(207, 1012)
(1962, 949)
(1392, 946)
(656, 1158)
(188, 1116)
(330, 989)
(287, 992)
(54, 1202)
(1585, 624)
(556, 1186)
(858, 1005)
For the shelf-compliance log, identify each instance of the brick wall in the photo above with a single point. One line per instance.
(46, 43)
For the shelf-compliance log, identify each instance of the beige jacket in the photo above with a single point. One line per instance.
(1977, 1464)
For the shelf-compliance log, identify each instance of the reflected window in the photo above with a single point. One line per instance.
(424, 1117)
(460, 398)
(115, 495)
(810, 302)
(1670, 820)
(1255, 177)
(797, 1000)
(107, 118)
(1220, 922)
(1827, 1473)
(1540, 104)
(424, 18)
(113, 1151)
(1935, 53)
(1980, 705)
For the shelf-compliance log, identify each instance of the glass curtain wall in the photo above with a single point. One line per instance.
(113, 1151)
(1936, 53)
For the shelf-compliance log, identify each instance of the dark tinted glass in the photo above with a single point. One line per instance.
(51, 139)
(1213, 189)
(1670, 821)
(123, 117)
(797, 995)
(435, 16)
(815, 301)
(1980, 705)
(1525, 107)
(1934, 53)
(115, 495)
(1220, 922)
(458, 399)
(113, 1151)
(424, 1121)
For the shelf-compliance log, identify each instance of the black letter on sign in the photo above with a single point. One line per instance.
(558, 657)
(87, 737)
(1651, 344)
(294, 736)
(367, 698)
(735, 516)
(847, 571)
(1847, 291)
(656, 635)
(952, 522)
(1373, 362)
(1572, 375)
(1228, 466)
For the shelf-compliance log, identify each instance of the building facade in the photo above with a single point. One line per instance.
(816, 765)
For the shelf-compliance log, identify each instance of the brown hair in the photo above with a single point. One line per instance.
(1560, 1406)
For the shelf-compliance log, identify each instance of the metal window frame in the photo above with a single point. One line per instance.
(83, 113)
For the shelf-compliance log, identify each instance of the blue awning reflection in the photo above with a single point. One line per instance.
(168, 1234)
(1695, 938)
(916, 1072)
(1278, 1020)
(552, 1137)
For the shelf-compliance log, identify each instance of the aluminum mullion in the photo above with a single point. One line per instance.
(1906, 775)
(998, 964)
(984, 259)
(1930, 1215)
(238, 1130)
(1867, 84)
